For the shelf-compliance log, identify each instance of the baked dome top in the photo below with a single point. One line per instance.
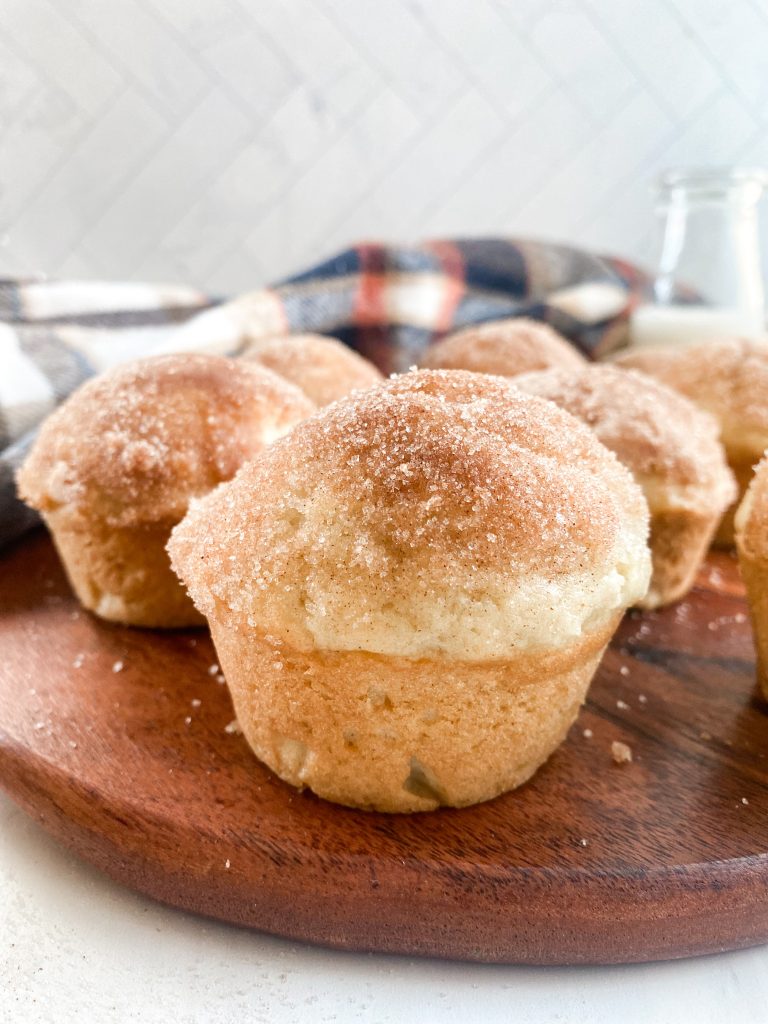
(728, 378)
(324, 368)
(504, 347)
(661, 436)
(441, 513)
(133, 445)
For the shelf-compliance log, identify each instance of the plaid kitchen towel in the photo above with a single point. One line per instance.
(387, 302)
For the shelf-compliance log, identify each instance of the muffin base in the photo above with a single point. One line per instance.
(754, 572)
(679, 541)
(743, 469)
(123, 574)
(397, 734)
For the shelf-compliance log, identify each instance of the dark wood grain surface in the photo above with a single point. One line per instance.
(590, 862)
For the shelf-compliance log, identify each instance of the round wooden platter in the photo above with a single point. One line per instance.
(134, 768)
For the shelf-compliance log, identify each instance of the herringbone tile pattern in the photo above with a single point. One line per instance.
(228, 142)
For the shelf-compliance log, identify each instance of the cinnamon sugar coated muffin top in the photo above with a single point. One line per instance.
(135, 444)
(324, 368)
(504, 347)
(727, 378)
(670, 445)
(441, 513)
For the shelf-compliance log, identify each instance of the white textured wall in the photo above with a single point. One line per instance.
(228, 142)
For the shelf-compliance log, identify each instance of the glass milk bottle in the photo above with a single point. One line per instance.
(709, 281)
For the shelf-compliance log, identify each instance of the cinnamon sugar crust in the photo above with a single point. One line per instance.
(672, 449)
(504, 347)
(133, 445)
(324, 368)
(728, 378)
(664, 439)
(442, 513)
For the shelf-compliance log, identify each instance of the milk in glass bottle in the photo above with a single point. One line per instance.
(709, 281)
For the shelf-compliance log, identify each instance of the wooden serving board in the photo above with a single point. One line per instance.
(590, 862)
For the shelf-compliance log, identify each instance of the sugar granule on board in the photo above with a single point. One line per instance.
(620, 752)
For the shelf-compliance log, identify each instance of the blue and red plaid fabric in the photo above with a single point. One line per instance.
(388, 302)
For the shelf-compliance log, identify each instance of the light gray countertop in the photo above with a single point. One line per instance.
(75, 947)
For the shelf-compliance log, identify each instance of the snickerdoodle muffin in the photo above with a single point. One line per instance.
(730, 380)
(324, 368)
(115, 467)
(410, 593)
(504, 347)
(671, 448)
(752, 546)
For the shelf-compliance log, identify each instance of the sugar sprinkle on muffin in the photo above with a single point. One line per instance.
(324, 368)
(504, 347)
(729, 379)
(672, 449)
